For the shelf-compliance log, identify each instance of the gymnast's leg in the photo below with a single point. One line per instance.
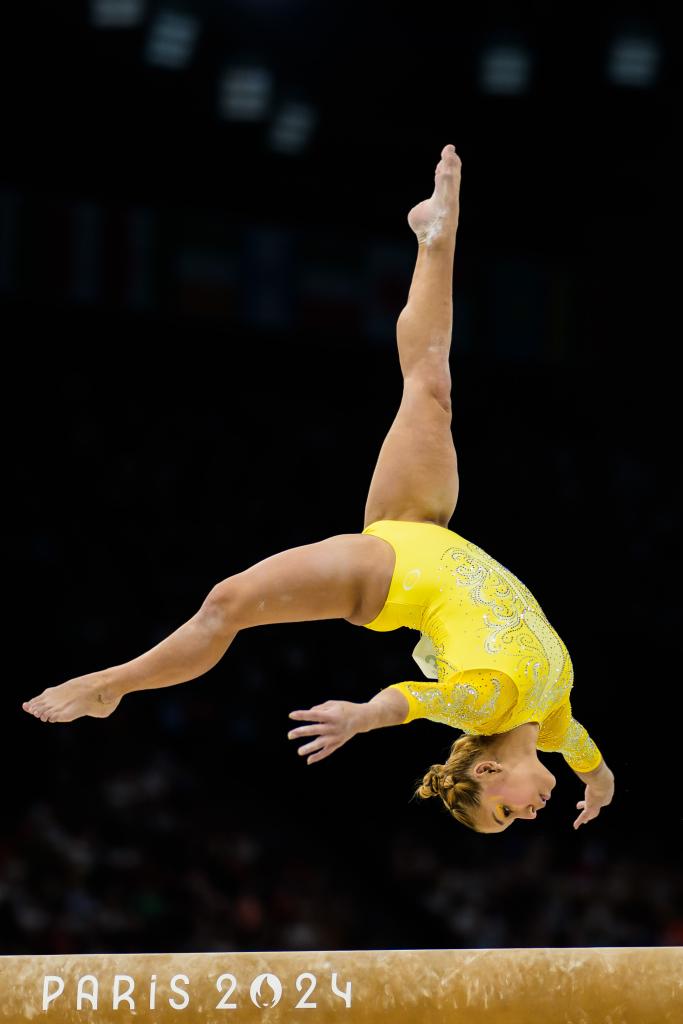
(345, 576)
(416, 477)
(325, 580)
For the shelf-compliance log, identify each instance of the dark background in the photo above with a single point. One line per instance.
(199, 368)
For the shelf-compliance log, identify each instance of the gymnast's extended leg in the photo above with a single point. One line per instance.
(324, 580)
(416, 476)
(346, 576)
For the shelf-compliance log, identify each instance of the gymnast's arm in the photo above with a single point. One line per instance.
(336, 721)
(454, 703)
(599, 792)
(563, 733)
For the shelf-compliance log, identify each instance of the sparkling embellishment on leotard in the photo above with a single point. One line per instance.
(513, 622)
(497, 660)
(457, 702)
(577, 746)
(512, 615)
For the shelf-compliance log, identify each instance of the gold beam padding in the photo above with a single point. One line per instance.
(463, 986)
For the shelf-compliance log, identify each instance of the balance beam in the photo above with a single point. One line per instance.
(463, 986)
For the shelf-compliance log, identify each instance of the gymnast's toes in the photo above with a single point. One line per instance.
(447, 170)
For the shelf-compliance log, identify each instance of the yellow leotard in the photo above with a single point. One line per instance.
(498, 663)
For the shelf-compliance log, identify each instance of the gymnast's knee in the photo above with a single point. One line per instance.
(433, 384)
(225, 605)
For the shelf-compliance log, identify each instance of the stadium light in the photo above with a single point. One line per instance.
(633, 61)
(171, 39)
(116, 13)
(505, 69)
(292, 127)
(244, 93)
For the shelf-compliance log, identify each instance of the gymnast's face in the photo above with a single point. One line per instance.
(510, 791)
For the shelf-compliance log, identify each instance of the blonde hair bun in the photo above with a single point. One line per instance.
(453, 782)
(430, 783)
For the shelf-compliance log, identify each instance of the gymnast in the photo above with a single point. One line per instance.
(496, 668)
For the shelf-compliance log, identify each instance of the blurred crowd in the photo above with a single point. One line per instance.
(147, 865)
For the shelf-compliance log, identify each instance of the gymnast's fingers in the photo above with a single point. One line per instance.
(304, 730)
(311, 748)
(586, 815)
(314, 714)
(325, 752)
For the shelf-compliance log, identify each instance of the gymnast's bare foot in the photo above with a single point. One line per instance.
(437, 217)
(86, 695)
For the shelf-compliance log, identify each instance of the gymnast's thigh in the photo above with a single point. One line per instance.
(328, 579)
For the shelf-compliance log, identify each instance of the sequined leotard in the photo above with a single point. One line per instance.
(496, 660)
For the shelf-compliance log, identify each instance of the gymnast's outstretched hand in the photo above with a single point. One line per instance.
(333, 723)
(336, 721)
(599, 793)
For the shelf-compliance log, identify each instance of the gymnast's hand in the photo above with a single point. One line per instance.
(334, 722)
(598, 794)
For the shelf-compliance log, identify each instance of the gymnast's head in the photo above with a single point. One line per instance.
(486, 785)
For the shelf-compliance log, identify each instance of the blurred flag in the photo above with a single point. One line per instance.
(269, 268)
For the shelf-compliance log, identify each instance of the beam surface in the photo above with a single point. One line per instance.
(466, 986)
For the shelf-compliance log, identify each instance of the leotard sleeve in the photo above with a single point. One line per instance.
(476, 700)
(561, 732)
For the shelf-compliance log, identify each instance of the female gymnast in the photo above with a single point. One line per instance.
(499, 671)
